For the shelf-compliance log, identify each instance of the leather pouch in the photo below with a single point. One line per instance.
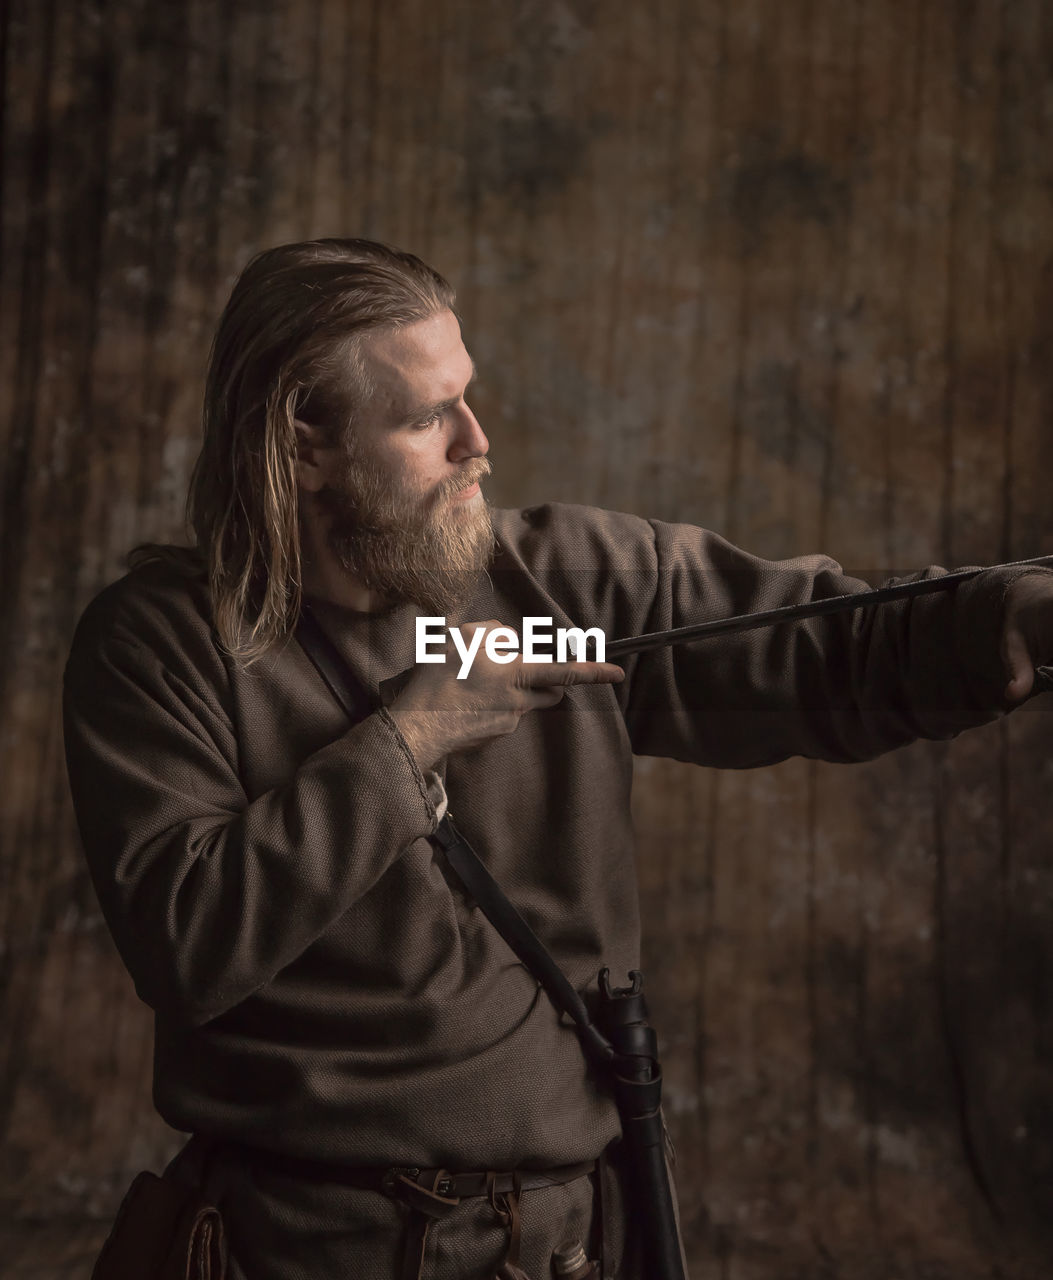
(163, 1231)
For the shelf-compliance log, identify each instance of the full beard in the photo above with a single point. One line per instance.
(429, 551)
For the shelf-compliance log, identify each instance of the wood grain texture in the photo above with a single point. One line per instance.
(781, 269)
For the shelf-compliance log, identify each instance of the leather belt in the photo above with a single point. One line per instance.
(465, 1185)
(390, 1178)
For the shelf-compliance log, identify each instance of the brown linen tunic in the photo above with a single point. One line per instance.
(321, 987)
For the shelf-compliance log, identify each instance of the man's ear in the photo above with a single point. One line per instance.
(312, 457)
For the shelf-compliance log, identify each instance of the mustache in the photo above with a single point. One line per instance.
(473, 470)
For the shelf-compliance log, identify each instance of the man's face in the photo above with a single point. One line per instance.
(406, 513)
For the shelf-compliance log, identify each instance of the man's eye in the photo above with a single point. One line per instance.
(429, 422)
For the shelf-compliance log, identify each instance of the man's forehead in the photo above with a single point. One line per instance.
(423, 360)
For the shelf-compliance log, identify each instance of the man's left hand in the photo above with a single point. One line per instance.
(1027, 635)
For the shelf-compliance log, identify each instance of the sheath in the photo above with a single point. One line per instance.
(321, 988)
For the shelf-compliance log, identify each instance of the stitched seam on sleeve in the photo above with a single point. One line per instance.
(422, 785)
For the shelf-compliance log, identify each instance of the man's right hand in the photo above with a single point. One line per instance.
(439, 715)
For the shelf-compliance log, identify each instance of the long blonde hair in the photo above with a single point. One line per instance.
(286, 348)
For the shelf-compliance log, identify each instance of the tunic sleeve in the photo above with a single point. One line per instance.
(846, 687)
(843, 688)
(207, 895)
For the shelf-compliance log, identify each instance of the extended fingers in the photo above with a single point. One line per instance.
(538, 674)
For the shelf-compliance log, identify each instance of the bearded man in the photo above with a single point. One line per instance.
(330, 1004)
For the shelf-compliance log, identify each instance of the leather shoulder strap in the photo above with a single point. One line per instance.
(491, 900)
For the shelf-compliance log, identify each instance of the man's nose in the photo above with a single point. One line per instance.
(469, 440)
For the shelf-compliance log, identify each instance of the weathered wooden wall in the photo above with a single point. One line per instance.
(780, 267)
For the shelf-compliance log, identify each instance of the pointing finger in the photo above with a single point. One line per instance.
(535, 675)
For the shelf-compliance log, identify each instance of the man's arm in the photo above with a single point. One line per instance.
(843, 688)
(840, 688)
(208, 895)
